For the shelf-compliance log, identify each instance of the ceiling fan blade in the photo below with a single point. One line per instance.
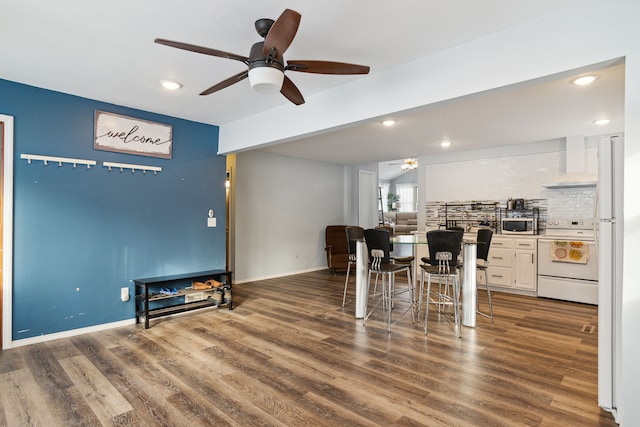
(291, 92)
(282, 33)
(204, 50)
(326, 67)
(226, 83)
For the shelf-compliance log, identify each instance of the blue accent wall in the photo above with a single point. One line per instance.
(80, 235)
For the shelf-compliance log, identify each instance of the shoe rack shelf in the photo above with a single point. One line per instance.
(150, 303)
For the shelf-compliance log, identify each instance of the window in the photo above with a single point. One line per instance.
(408, 197)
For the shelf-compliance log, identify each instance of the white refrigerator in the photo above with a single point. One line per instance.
(609, 239)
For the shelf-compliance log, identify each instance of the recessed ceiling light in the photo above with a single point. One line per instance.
(389, 122)
(170, 85)
(584, 80)
(601, 122)
(445, 144)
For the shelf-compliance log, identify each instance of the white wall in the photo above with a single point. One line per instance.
(489, 178)
(282, 207)
(631, 274)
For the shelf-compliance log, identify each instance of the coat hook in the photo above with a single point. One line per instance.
(46, 162)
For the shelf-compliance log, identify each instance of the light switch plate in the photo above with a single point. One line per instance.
(211, 222)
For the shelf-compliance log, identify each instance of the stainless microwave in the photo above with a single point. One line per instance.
(519, 226)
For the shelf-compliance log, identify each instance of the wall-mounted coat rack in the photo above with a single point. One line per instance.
(75, 162)
(58, 160)
(123, 166)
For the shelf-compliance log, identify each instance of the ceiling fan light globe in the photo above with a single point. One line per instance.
(266, 79)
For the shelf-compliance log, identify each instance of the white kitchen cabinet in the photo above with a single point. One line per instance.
(500, 262)
(498, 277)
(525, 264)
(512, 264)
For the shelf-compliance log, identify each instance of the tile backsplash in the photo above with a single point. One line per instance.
(571, 203)
(474, 213)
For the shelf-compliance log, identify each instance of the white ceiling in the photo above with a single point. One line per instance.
(538, 111)
(105, 51)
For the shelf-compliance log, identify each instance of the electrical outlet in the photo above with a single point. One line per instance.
(124, 294)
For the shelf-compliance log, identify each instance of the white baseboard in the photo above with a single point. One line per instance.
(70, 333)
(275, 276)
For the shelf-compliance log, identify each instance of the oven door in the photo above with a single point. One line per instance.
(547, 267)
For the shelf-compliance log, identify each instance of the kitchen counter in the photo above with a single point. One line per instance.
(472, 233)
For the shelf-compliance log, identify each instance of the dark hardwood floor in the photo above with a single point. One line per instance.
(288, 355)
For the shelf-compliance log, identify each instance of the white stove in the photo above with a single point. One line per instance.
(566, 278)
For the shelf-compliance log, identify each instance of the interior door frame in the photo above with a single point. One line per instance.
(7, 232)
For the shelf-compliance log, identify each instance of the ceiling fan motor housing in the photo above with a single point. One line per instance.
(263, 26)
(266, 73)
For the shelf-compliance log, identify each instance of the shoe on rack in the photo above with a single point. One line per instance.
(217, 298)
(199, 286)
(213, 283)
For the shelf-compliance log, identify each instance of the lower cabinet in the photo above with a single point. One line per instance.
(525, 266)
(513, 264)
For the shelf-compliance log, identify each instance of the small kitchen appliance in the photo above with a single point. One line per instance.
(518, 204)
(519, 225)
(515, 204)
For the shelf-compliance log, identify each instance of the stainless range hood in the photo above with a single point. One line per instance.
(575, 175)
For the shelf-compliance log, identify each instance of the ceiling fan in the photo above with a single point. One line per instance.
(407, 164)
(266, 65)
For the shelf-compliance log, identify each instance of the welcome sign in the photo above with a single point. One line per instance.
(113, 132)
